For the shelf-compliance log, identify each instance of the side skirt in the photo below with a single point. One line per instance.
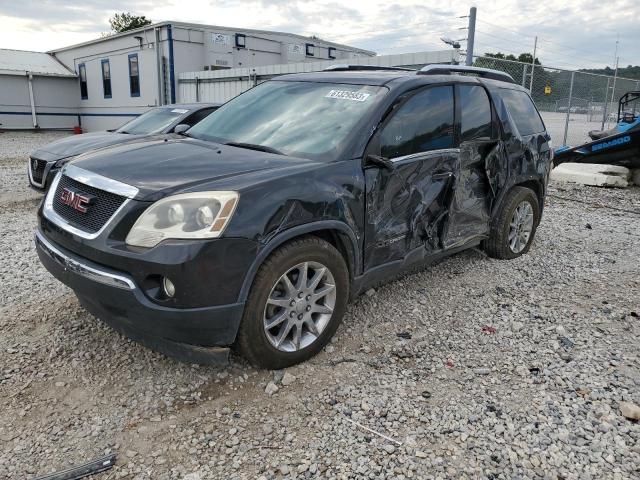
(418, 258)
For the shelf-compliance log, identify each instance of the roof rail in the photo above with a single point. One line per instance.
(345, 67)
(437, 69)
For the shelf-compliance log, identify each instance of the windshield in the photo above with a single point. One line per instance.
(304, 119)
(153, 121)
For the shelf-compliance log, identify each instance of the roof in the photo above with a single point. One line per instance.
(200, 26)
(357, 77)
(191, 106)
(19, 62)
(385, 77)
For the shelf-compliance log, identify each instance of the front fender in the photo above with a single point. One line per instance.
(294, 232)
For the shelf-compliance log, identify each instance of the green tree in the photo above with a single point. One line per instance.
(122, 22)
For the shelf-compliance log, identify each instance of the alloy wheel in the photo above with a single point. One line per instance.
(520, 227)
(299, 306)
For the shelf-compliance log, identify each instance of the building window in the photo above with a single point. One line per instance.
(134, 75)
(82, 71)
(106, 78)
(332, 52)
(241, 40)
(310, 49)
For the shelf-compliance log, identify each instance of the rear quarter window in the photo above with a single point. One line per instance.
(523, 111)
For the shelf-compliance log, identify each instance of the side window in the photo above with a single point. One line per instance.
(475, 121)
(82, 72)
(523, 111)
(106, 78)
(422, 123)
(134, 75)
(197, 116)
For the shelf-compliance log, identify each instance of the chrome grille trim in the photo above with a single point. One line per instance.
(47, 167)
(96, 181)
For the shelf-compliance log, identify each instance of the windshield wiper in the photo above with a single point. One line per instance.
(255, 146)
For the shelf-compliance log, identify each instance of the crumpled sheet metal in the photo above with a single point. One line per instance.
(439, 202)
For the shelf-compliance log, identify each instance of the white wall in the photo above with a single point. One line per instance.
(54, 97)
(98, 112)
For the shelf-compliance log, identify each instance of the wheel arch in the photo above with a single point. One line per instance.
(337, 233)
(534, 184)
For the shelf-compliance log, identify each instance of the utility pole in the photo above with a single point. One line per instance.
(471, 34)
(533, 63)
(613, 92)
(615, 77)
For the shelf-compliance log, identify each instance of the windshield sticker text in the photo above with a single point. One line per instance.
(348, 95)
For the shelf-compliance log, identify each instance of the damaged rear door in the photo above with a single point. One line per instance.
(435, 192)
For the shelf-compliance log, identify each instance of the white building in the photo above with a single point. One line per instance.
(36, 91)
(111, 79)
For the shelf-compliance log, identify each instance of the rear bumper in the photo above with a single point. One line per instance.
(198, 335)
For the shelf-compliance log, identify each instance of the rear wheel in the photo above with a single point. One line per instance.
(514, 226)
(295, 305)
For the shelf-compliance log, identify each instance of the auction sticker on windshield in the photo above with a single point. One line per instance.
(348, 95)
(179, 110)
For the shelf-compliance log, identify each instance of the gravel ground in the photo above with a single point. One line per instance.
(473, 368)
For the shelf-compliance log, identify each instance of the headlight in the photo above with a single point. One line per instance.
(188, 215)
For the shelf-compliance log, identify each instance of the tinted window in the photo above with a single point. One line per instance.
(153, 121)
(134, 76)
(83, 81)
(522, 111)
(106, 79)
(476, 113)
(422, 123)
(196, 117)
(305, 119)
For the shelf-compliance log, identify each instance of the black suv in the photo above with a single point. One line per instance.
(256, 227)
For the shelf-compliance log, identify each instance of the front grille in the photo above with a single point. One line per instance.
(103, 206)
(38, 171)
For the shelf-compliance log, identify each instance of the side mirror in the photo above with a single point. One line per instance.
(379, 161)
(181, 128)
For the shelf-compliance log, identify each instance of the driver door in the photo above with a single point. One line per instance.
(406, 205)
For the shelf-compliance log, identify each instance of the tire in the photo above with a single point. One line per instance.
(259, 344)
(500, 243)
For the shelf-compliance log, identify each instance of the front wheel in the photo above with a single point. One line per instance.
(514, 226)
(296, 303)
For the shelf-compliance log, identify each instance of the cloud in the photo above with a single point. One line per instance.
(572, 33)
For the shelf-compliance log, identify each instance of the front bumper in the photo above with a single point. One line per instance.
(196, 335)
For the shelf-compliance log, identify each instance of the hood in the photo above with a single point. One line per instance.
(78, 144)
(164, 165)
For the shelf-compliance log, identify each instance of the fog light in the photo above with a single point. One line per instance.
(169, 287)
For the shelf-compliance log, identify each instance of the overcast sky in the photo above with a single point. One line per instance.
(571, 33)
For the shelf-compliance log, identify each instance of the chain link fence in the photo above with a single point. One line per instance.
(571, 102)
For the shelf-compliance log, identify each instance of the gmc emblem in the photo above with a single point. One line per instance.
(76, 200)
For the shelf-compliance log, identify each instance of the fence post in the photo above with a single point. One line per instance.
(524, 74)
(533, 64)
(606, 104)
(566, 121)
(197, 89)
